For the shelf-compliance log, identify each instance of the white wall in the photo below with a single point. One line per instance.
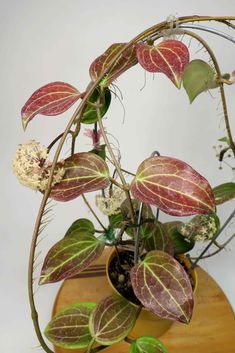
(44, 41)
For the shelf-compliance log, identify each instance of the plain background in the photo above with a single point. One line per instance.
(44, 41)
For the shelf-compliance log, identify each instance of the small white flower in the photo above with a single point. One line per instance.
(31, 167)
(110, 205)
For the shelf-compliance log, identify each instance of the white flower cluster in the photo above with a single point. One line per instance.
(31, 168)
(110, 205)
(200, 228)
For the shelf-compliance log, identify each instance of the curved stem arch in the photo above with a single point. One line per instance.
(144, 36)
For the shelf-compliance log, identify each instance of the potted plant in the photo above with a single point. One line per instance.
(146, 267)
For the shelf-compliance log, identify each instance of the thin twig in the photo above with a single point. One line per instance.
(93, 212)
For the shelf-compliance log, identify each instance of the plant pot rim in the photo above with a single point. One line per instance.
(182, 257)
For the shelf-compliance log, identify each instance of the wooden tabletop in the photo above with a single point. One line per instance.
(211, 330)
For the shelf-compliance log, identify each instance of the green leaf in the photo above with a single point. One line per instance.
(180, 244)
(100, 152)
(116, 220)
(90, 116)
(70, 327)
(224, 192)
(158, 239)
(148, 344)
(81, 225)
(225, 139)
(200, 227)
(198, 77)
(112, 320)
(70, 256)
(162, 286)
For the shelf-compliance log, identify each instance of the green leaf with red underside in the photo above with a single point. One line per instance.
(224, 192)
(51, 99)
(84, 172)
(158, 239)
(123, 63)
(90, 115)
(169, 57)
(112, 320)
(162, 286)
(70, 327)
(147, 344)
(173, 186)
(180, 244)
(70, 256)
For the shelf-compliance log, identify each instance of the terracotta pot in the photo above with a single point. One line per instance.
(149, 324)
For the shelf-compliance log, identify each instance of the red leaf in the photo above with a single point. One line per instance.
(162, 286)
(173, 186)
(84, 172)
(125, 61)
(169, 57)
(51, 99)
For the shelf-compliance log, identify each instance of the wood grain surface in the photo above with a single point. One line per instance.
(211, 330)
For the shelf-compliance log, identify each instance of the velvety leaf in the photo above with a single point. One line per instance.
(162, 286)
(200, 227)
(147, 344)
(125, 61)
(84, 172)
(70, 327)
(169, 57)
(198, 77)
(90, 116)
(81, 225)
(112, 320)
(51, 99)
(158, 239)
(180, 244)
(224, 192)
(173, 186)
(70, 256)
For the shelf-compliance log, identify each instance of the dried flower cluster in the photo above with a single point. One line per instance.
(31, 167)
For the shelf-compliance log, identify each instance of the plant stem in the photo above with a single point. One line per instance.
(213, 239)
(116, 164)
(57, 139)
(97, 349)
(128, 340)
(137, 235)
(93, 212)
(218, 250)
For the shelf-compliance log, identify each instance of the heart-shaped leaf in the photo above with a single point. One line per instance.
(70, 256)
(123, 63)
(90, 115)
(224, 192)
(81, 225)
(198, 77)
(70, 327)
(158, 239)
(162, 286)
(169, 57)
(173, 186)
(147, 344)
(180, 244)
(84, 172)
(51, 99)
(112, 320)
